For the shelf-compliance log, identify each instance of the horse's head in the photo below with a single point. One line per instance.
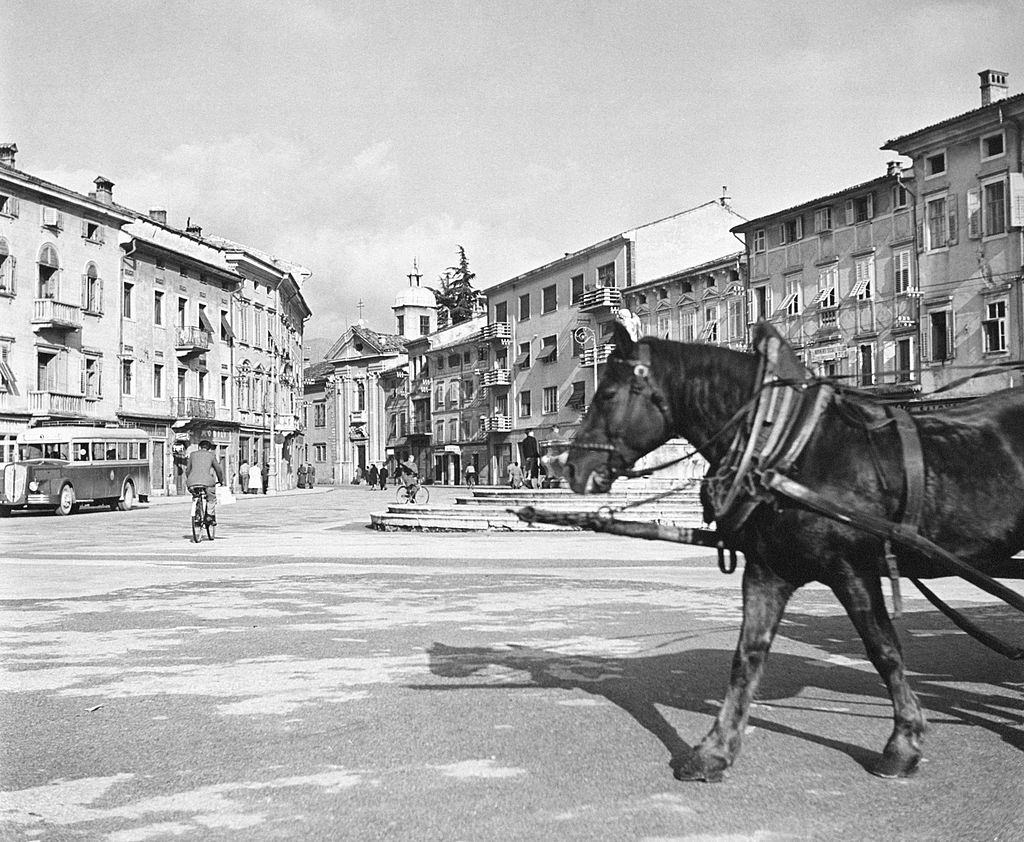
(628, 418)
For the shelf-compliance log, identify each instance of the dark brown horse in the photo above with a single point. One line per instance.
(973, 507)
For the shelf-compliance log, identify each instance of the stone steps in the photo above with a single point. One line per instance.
(492, 509)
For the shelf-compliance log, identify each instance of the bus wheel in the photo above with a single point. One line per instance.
(127, 500)
(67, 500)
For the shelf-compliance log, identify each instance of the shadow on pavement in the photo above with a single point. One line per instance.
(687, 680)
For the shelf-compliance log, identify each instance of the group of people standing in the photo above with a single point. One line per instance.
(377, 477)
(252, 479)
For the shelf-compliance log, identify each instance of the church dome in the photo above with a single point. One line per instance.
(415, 297)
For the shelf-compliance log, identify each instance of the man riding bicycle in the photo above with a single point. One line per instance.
(204, 470)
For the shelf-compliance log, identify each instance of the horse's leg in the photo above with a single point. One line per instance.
(861, 596)
(764, 599)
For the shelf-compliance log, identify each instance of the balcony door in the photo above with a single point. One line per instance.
(47, 371)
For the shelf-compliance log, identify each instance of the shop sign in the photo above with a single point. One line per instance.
(826, 352)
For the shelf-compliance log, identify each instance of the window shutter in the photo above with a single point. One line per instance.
(751, 315)
(974, 214)
(98, 303)
(953, 230)
(14, 273)
(871, 205)
(919, 235)
(950, 334)
(799, 227)
(12, 206)
(99, 378)
(888, 359)
(768, 302)
(85, 229)
(849, 212)
(85, 292)
(60, 220)
(782, 235)
(925, 338)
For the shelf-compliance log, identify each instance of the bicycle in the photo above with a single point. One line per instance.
(415, 493)
(200, 517)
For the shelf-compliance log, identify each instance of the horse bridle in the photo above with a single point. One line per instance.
(640, 386)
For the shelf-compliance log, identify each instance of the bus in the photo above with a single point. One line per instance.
(64, 467)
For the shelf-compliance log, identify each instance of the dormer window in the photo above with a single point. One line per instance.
(993, 146)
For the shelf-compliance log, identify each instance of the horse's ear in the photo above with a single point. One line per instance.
(624, 344)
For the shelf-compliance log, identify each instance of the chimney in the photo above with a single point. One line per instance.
(7, 153)
(993, 86)
(894, 169)
(194, 230)
(158, 215)
(104, 190)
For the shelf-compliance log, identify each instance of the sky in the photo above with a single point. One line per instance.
(355, 137)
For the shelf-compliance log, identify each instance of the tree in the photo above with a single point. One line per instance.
(457, 294)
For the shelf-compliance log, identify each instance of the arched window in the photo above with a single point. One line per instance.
(92, 290)
(49, 273)
(6, 269)
(360, 396)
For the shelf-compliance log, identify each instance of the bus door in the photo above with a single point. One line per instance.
(156, 465)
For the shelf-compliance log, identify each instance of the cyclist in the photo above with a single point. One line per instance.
(407, 472)
(204, 470)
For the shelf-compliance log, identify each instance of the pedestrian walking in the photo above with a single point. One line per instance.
(243, 475)
(310, 475)
(515, 475)
(253, 479)
(383, 475)
(530, 452)
(372, 477)
(266, 476)
(470, 475)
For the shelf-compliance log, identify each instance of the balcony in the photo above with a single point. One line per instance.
(496, 377)
(497, 424)
(602, 352)
(420, 428)
(51, 402)
(191, 340)
(496, 332)
(601, 298)
(49, 314)
(189, 408)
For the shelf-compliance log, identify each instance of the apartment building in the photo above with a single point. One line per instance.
(836, 276)
(968, 201)
(60, 263)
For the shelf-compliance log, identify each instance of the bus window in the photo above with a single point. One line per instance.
(143, 448)
(81, 451)
(31, 451)
(111, 451)
(133, 450)
(122, 450)
(97, 451)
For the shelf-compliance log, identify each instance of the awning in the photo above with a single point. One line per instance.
(523, 359)
(7, 378)
(225, 327)
(204, 321)
(546, 353)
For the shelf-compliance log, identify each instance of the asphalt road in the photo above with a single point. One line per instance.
(304, 677)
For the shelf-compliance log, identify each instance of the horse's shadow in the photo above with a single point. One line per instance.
(689, 679)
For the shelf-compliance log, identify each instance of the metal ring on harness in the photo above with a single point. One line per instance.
(723, 565)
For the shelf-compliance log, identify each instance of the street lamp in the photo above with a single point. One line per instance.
(582, 334)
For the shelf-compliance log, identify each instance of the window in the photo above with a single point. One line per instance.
(550, 399)
(860, 209)
(225, 328)
(606, 275)
(182, 384)
(158, 307)
(439, 396)
(759, 304)
(710, 331)
(936, 223)
(424, 325)
(790, 305)
(225, 389)
(864, 279)
(400, 319)
(935, 165)
(92, 231)
(578, 398)
(523, 360)
(182, 312)
(126, 300)
(549, 350)
(687, 329)
(994, 327)
(524, 306)
(91, 378)
(577, 288)
(823, 219)
(360, 397)
(320, 452)
(320, 414)
(52, 219)
(158, 381)
(8, 205)
(127, 376)
(866, 356)
(992, 146)
(7, 274)
(793, 230)
(938, 344)
(901, 270)
(734, 317)
(453, 361)
(828, 279)
(549, 299)
(900, 197)
(759, 241)
(525, 404)
(501, 405)
(49, 273)
(501, 311)
(904, 361)
(993, 208)
(466, 358)
(202, 385)
(468, 390)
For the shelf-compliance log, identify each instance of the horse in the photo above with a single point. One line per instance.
(653, 390)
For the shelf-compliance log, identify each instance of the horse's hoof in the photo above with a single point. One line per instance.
(891, 767)
(696, 768)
